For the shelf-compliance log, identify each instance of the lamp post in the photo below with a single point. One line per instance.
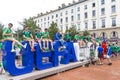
(18, 33)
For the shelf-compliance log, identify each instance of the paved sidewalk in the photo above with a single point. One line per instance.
(94, 72)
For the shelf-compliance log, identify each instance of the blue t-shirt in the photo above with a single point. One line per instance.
(100, 50)
(109, 51)
(57, 36)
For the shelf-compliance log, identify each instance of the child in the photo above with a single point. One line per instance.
(109, 54)
(27, 35)
(67, 37)
(58, 37)
(46, 40)
(7, 34)
(100, 54)
(38, 37)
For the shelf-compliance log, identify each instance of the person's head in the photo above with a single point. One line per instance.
(99, 44)
(77, 33)
(46, 29)
(59, 31)
(39, 29)
(109, 45)
(26, 27)
(10, 25)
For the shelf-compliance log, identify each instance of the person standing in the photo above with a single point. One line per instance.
(100, 54)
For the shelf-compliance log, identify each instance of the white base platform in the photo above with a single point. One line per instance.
(36, 74)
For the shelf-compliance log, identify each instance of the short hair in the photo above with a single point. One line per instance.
(39, 28)
(10, 24)
(46, 29)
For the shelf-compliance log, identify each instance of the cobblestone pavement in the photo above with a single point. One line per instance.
(93, 72)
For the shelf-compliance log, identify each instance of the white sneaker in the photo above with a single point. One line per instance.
(24, 46)
(13, 50)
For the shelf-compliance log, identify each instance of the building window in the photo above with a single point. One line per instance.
(114, 34)
(112, 0)
(113, 9)
(52, 16)
(61, 14)
(38, 20)
(61, 28)
(113, 21)
(78, 16)
(94, 24)
(72, 18)
(93, 13)
(86, 25)
(78, 9)
(94, 35)
(72, 10)
(66, 27)
(56, 15)
(41, 20)
(86, 15)
(44, 19)
(85, 7)
(102, 11)
(66, 13)
(78, 26)
(61, 21)
(48, 24)
(102, 2)
(48, 18)
(93, 4)
(103, 23)
(66, 19)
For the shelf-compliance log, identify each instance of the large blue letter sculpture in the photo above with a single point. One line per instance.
(39, 55)
(67, 55)
(30, 59)
(9, 59)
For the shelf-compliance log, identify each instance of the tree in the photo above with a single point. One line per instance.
(1, 27)
(73, 31)
(52, 30)
(30, 23)
(86, 33)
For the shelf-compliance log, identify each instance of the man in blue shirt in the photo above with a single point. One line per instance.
(100, 54)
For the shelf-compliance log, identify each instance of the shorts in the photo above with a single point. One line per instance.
(17, 57)
(100, 55)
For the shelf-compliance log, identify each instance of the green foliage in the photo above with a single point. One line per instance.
(86, 33)
(30, 23)
(52, 30)
(73, 31)
(1, 26)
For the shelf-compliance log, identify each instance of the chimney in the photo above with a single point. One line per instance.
(63, 5)
(73, 1)
(59, 7)
(69, 3)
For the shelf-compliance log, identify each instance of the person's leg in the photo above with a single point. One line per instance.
(16, 41)
(40, 44)
(51, 44)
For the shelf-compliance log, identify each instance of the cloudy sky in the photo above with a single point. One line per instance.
(16, 10)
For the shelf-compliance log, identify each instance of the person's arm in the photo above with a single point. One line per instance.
(24, 36)
(5, 33)
(31, 36)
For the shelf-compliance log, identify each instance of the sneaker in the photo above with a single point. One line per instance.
(109, 63)
(24, 46)
(13, 50)
(32, 49)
